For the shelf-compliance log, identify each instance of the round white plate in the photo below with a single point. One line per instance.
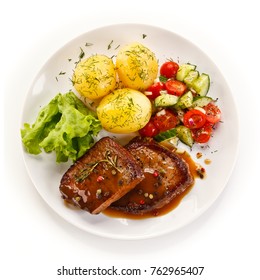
(222, 149)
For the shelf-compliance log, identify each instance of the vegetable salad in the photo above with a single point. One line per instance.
(182, 108)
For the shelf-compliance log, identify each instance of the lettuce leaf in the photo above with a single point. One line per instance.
(65, 126)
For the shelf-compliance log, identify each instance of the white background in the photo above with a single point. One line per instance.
(35, 242)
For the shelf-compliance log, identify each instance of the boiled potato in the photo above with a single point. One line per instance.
(124, 111)
(137, 66)
(95, 76)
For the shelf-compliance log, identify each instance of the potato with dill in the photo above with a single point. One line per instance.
(124, 111)
(137, 66)
(95, 77)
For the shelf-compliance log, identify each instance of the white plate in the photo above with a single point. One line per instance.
(222, 149)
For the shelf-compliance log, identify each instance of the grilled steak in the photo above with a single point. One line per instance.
(103, 175)
(166, 176)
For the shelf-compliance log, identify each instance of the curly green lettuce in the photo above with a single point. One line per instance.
(65, 126)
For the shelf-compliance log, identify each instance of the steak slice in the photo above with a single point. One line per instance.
(166, 176)
(101, 176)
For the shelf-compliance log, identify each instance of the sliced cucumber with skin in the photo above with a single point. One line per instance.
(201, 101)
(185, 101)
(165, 135)
(191, 77)
(184, 134)
(201, 84)
(165, 100)
(183, 71)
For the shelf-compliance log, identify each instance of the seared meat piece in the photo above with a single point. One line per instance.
(103, 175)
(166, 176)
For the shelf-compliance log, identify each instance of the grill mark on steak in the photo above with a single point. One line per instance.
(166, 176)
(101, 176)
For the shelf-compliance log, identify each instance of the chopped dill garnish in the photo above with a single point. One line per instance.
(163, 79)
(82, 53)
(109, 45)
(144, 36)
(72, 82)
(61, 73)
(88, 44)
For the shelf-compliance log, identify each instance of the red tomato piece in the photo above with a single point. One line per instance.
(169, 69)
(165, 120)
(194, 119)
(213, 113)
(203, 134)
(154, 90)
(175, 87)
(149, 130)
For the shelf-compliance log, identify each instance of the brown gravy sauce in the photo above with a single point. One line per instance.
(196, 170)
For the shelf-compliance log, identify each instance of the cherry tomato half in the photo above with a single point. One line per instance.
(203, 134)
(149, 130)
(169, 69)
(194, 119)
(154, 90)
(165, 120)
(213, 113)
(175, 87)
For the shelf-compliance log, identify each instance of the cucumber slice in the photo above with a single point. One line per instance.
(183, 71)
(166, 100)
(201, 84)
(165, 135)
(184, 134)
(191, 77)
(185, 101)
(201, 101)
